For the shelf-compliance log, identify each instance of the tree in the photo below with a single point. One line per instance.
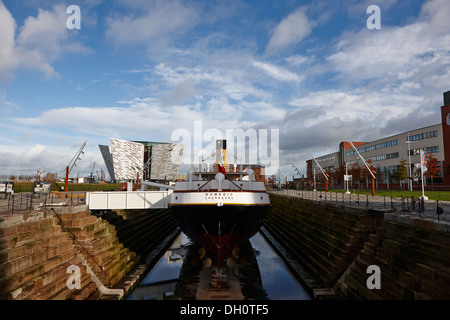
(402, 172)
(433, 168)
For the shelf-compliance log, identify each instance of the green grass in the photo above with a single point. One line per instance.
(73, 187)
(432, 195)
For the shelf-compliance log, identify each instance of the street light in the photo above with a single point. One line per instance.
(409, 163)
(346, 180)
(422, 165)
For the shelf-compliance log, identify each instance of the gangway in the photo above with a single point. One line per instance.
(140, 199)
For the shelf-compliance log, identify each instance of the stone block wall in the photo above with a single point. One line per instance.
(34, 258)
(326, 238)
(37, 248)
(337, 244)
(414, 259)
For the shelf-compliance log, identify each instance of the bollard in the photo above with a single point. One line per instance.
(439, 210)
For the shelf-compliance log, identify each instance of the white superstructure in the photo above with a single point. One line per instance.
(209, 188)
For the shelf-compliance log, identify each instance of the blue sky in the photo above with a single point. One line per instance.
(139, 70)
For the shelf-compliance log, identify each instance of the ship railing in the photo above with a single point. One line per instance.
(227, 185)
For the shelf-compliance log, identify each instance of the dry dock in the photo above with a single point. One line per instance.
(66, 252)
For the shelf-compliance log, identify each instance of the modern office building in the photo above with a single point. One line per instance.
(155, 161)
(386, 153)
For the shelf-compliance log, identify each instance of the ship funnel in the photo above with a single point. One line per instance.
(221, 154)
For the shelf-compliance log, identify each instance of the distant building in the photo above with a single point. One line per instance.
(259, 170)
(52, 177)
(154, 161)
(386, 153)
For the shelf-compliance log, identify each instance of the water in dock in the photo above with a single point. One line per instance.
(259, 274)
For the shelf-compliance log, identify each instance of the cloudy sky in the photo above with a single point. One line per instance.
(139, 70)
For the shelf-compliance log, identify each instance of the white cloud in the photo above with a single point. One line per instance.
(159, 23)
(297, 60)
(357, 105)
(8, 60)
(328, 116)
(39, 42)
(25, 160)
(182, 92)
(230, 80)
(7, 107)
(437, 13)
(277, 72)
(395, 54)
(290, 31)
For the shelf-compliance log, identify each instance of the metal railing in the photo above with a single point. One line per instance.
(27, 201)
(430, 209)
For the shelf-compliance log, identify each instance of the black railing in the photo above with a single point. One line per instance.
(430, 209)
(27, 201)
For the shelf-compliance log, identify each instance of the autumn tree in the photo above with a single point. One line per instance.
(402, 172)
(433, 168)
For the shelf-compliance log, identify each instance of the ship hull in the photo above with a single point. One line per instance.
(220, 229)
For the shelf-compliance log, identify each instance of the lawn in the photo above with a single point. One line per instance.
(73, 187)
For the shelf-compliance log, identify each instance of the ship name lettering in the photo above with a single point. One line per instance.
(219, 196)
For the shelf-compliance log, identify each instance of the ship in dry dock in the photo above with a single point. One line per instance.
(220, 209)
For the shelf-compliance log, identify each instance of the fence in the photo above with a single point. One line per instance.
(430, 209)
(28, 201)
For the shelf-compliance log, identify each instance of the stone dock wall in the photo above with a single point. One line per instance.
(336, 244)
(39, 250)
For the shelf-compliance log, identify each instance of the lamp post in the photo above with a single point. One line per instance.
(314, 180)
(422, 165)
(409, 163)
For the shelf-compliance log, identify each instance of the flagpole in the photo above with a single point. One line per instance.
(422, 163)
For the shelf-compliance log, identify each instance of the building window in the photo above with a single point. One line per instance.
(433, 149)
(374, 147)
(425, 135)
(384, 157)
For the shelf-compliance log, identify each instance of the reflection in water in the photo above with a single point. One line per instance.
(261, 274)
(277, 280)
(160, 282)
